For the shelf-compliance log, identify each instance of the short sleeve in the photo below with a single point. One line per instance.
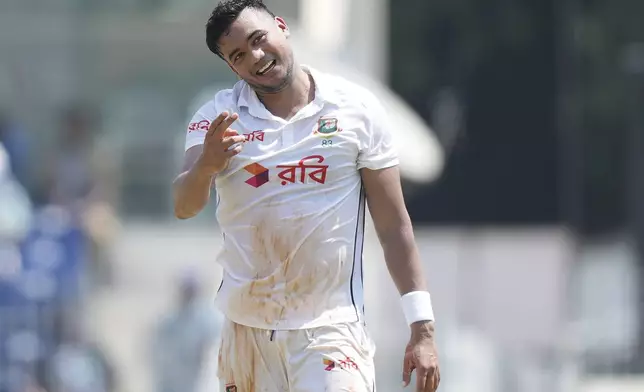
(200, 122)
(197, 129)
(377, 150)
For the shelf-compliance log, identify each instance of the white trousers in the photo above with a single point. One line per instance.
(334, 358)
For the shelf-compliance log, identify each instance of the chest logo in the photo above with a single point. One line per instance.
(327, 127)
(260, 175)
(310, 169)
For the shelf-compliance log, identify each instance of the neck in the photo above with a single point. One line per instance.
(294, 97)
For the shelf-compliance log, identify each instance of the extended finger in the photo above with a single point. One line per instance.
(421, 379)
(437, 378)
(219, 131)
(431, 380)
(216, 122)
(408, 368)
(229, 141)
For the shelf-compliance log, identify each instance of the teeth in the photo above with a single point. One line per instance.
(266, 67)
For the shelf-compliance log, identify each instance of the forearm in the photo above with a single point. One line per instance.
(191, 192)
(403, 262)
(403, 259)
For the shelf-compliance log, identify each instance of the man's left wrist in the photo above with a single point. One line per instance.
(423, 328)
(417, 306)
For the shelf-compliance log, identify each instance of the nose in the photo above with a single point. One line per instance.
(258, 54)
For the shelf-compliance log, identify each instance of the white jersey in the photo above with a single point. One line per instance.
(291, 205)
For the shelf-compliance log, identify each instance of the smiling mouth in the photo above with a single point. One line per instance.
(265, 69)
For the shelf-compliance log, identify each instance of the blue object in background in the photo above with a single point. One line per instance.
(36, 277)
(51, 260)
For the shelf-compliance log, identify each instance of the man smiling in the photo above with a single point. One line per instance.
(307, 153)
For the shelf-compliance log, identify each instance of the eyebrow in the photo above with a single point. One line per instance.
(250, 36)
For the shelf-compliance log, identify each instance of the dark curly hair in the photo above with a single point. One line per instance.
(224, 14)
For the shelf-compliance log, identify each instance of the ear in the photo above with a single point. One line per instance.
(281, 24)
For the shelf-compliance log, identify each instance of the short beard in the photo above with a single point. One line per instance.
(287, 81)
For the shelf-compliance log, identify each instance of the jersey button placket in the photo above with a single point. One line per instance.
(287, 135)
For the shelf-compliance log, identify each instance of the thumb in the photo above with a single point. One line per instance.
(408, 367)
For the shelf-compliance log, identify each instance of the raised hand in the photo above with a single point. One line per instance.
(220, 145)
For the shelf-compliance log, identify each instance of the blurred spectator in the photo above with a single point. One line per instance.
(182, 341)
(83, 178)
(15, 214)
(34, 385)
(82, 170)
(77, 365)
(16, 143)
(73, 171)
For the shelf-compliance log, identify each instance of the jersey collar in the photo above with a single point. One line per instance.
(248, 98)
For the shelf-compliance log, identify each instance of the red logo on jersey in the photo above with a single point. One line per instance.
(201, 125)
(347, 364)
(309, 168)
(250, 137)
(260, 175)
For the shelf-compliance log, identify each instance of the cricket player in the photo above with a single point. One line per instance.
(295, 156)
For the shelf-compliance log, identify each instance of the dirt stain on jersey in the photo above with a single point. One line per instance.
(291, 257)
(238, 357)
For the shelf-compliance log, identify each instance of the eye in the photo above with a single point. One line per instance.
(259, 38)
(238, 57)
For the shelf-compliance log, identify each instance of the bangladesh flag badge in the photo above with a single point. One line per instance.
(327, 127)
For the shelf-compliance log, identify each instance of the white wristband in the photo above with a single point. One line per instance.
(417, 306)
